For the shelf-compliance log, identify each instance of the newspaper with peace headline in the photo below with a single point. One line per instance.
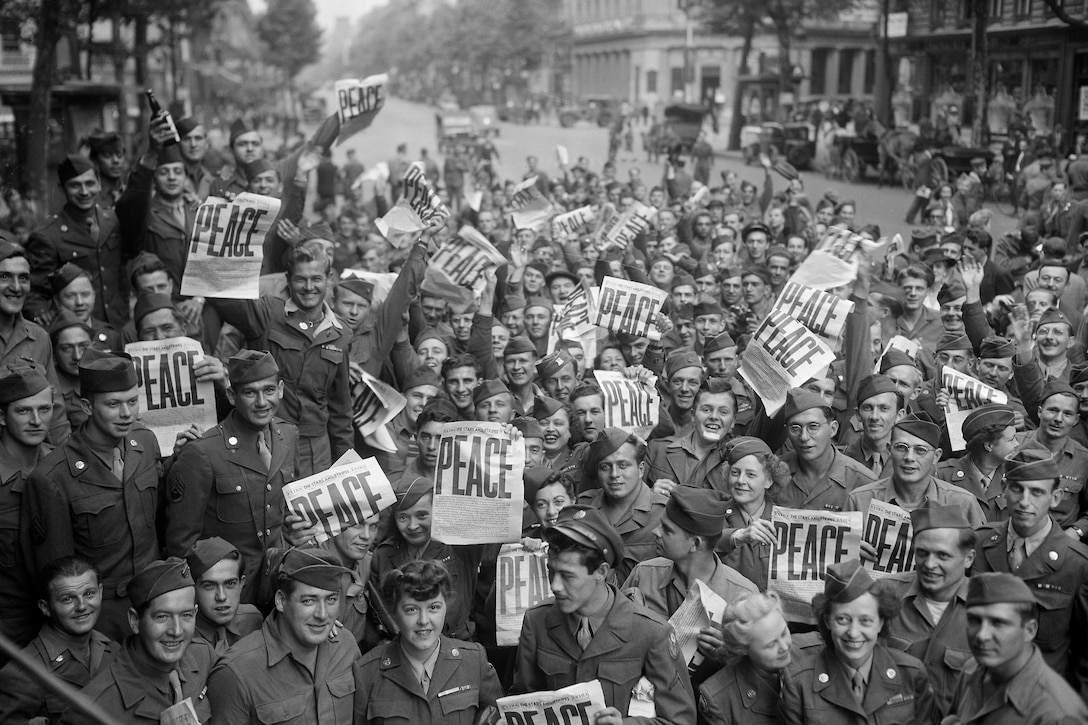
(834, 261)
(521, 583)
(479, 491)
(783, 354)
(572, 320)
(823, 313)
(417, 208)
(465, 257)
(965, 393)
(619, 230)
(226, 248)
(171, 398)
(807, 541)
(703, 607)
(375, 403)
(910, 348)
(628, 404)
(529, 208)
(574, 705)
(359, 102)
(889, 531)
(629, 307)
(572, 222)
(341, 497)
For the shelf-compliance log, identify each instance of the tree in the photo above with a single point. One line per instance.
(1058, 8)
(730, 17)
(289, 30)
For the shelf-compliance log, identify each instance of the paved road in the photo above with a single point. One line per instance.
(404, 122)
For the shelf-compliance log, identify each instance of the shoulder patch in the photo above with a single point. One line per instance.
(177, 489)
(674, 646)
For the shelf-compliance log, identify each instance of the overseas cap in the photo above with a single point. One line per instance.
(986, 416)
(589, 526)
(10, 249)
(160, 577)
(954, 341)
(206, 553)
(148, 302)
(680, 360)
(846, 581)
(707, 307)
(924, 429)
(798, 400)
(938, 517)
(1031, 464)
(1056, 387)
(64, 320)
(1078, 373)
(169, 155)
(518, 345)
(73, 166)
(111, 372)
(66, 275)
(951, 291)
(996, 347)
(894, 358)
(533, 478)
(314, 567)
(359, 287)
(700, 511)
(744, 446)
(718, 342)
(19, 382)
(488, 389)
(251, 365)
(998, 588)
(608, 442)
(186, 126)
(553, 362)
(682, 280)
(529, 427)
(546, 407)
(239, 127)
(874, 385)
(422, 375)
(1053, 315)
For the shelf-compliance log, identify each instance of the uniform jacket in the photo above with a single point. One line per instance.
(632, 643)
(260, 681)
(674, 459)
(752, 561)
(463, 683)
(148, 224)
(737, 695)
(662, 591)
(22, 698)
(636, 528)
(1072, 463)
(371, 345)
(127, 690)
(76, 505)
(216, 486)
(817, 690)
(66, 238)
(1057, 574)
(30, 343)
(247, 620)
(989, 494)
(845, 475)
(19, 615)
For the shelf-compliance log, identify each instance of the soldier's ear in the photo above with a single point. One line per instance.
(133, 621)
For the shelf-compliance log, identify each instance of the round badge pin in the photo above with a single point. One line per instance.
(823, 677)
(233, 441)
(890, 673)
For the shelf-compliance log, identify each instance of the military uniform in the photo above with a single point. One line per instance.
(247, 619)
(29, 345)
(314, 367)
(372, 344)
(66, 237)
(675, 459)
(1036, 695)
(879, 464)
(19, 615)
(75, 505)
(752, 561)
(134, 690)
(662, 591)
(631, 643)
(636, 527)
(1072, 462)
(817, 690)
(990, 493)
(1057, 574)
(830, 493)
(22, 698)
(260, 680)
(462, 684)
(218, 486)
(938, 493)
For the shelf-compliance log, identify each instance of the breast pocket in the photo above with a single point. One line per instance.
(557, 669)
(1056, 606)
(388, 711)
(232, 500)
(896, 713)
(147, 489)
(9, 536)
(460, 707)
(955, 659)
(618, 677)
(342, 688)
(288, 349)
(97, 519)
(291, 710)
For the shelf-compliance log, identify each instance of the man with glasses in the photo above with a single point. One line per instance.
(915, 451)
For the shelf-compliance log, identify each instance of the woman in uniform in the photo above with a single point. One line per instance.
(422, 676)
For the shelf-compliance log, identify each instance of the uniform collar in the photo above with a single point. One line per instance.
(328, 318)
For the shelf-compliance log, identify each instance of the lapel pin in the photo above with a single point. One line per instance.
(823, 677)
(1053, 556)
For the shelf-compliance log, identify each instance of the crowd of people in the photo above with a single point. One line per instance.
(155, 579)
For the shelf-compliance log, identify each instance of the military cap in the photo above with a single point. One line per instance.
(998, 587)
(259, 166)
(996, 347)
(701, 270)
(759, 270)
(682, 280)
(937, 255)
(952, 237)
(239, 127)
(847, 580)
(431, 333)
(1031, 464)
(422, 375)
(104, 142)
(529, 427)
(545, 407)
(778, 250)
(248, 366)
(539, 266)
(488, 389)
(707, 307)
(1046, 162)
(64, 276)
(608, 442)
(953, 341)
(315, 567)
(148, 302)
(926, 430)
(441, 410)
(754, 227)
(987, 416)
(73, 166)
(681, 359)
(626, 338)
(1051, 316)
(19, 382)
(894, 358)
(109, 373)
(538, 301)
(561, 274)
(358, 286)
(699, 511)
(169, 155)
(158, 578)
(1078, 373)
(873, 385)
(552, 363)
(923, 237)
(1056, 386)
(744, 446)
(186, 126)
(589, 527)
(798, 400)
(938, 517)
(786, 170)
(513, 302)
(64, 320)
(950, 291)
(533, 478)
(683, 312)
(518, 345)
(718, 342)
(206, 553)
(10, 249)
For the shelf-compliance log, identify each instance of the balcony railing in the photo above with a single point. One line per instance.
(16, 60)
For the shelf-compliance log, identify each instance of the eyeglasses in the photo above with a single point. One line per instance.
(796, 429)
(901, 449)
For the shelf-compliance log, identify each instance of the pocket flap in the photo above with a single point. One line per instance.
(93, 504)
(229, 484)
(342, 686)
(283, 710)
(552, 664)
(955, 659)
(385, 710)
(284, 339)
(620, 671)
(462, 700)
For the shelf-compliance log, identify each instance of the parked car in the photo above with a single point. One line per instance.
(485, 119)
(600, 110)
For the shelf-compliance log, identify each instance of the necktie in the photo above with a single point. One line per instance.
(425, 681)
(92, 224)
(1018, 554)
(264, 451)
(175, 686)
(857, 684)
(585, 634)
(118, 465)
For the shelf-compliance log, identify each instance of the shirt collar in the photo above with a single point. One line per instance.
(328, 318)
(1031, 543)
(421, 666)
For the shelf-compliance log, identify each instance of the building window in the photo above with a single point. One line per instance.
(9, 40)
(677, 83)
(651, 81)
(997, 9)
(1023, 8)
(846, 72)
(937, 13)
(818, 74)
(870, 71)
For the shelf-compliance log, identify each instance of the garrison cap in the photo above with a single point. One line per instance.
(441, 410)
(998, 588)
(699, 511)
(64, 276)
(951, 290)
(529, 427)
(158, 578)
(846, 581)
(538, 301)
(422, 375)
(1056, 387)
(186, 126)
(239, 127)
(513, 302)
(488, 389)
(1053, 315)
(148, 302)
(754, 227)
(552, 363)
(73, 166)
(927, 430)
(986, 416)
(110, 373)
(1031, 464)
(518, 345)
(589, 527)
(19, 382)
(1078, 373)
(894, 358)
(938, 517)
(314, 567)
(10, 249)
(996, 347)
(758, 270)
(954, 341)
(873, 385)
(718, 342)
(533, 478)
(64, 320)
(744, 446)
(104, 142)
(358, 286)
(259, 166)
(561, 274)
(546, 407)
(682, 359)
(169, 155)
(707, 307)
(206, 553)
(608, 442)
(251, 365)
(682, 280)
(923, 237)
(798, 400)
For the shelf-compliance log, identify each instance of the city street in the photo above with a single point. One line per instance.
(404, 122)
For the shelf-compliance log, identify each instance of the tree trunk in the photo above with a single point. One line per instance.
(785, 68)
(120, 56)
(139, 53)
(738, 96)
(37, 132)
(980, 51)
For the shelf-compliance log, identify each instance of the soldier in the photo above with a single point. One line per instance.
(229, 482)
(98, 495)
(107, 152)
(67, 645)
(74, 293)
(218, 571)
(1009, 681)
(697, 458)
(293, 667)
(71, 341)
(246, 146)
(159, 665)
(989, 433)
(194, 147)
(590, 629)
(493, 402)
(1054, 566)
(880, 407)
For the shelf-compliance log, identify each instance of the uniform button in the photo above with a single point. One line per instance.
(268, 487)
(60, 658)
(890, 673)
(260, 534)
(80, 465)
(268, 506)
(237, 488)
(133, 443)
(233, 441)
(64, 228)
(267, 532)
(455, 652)
(750, 694)
(1053, 556)
(823, 677)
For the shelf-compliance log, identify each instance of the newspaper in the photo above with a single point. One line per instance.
(621, 230)
(574, 705)
(529, 207)
(807, 542)
(182, 713)
(823, 313)
(417, 208)
(888, 530)
(629, 307)
(227, 247)
(570, 223)
(521, 584)
(965, 393)
(171, 399)
(479, 490)
(908, 347)
(628, 404)
(702, 607)
(359, 102)
(783, 354)
(341, 497)
(375, 403)
(465, 257)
